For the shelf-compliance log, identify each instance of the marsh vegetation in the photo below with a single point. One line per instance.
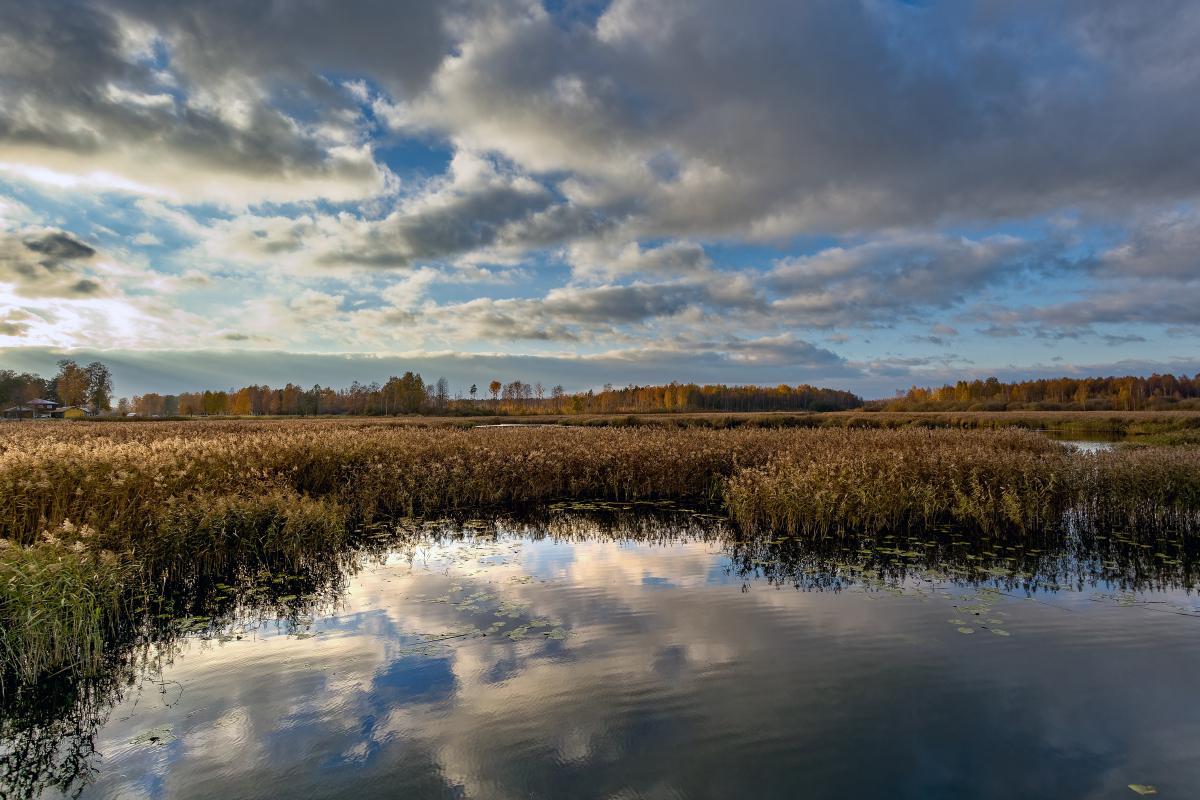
(99, 520)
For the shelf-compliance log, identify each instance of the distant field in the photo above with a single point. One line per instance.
(1124, 423)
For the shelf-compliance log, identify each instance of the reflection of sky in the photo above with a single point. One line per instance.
(668, 684)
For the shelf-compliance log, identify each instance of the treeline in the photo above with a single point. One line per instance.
(411, 394)
(716, 397)
(86, 387)
(1128, 393)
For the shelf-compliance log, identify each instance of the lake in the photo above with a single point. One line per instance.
(615, 652)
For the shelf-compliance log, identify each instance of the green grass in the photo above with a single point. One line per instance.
(58, 602)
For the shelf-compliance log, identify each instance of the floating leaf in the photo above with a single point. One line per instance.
(159, 735)
(966, 630)
(1000, 632)
(1143, 789)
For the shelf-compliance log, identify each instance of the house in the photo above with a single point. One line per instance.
(45, 409)
(18, 412)
(32, 409)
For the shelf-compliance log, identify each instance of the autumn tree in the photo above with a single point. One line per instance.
(100, 386)
(71, 384)
(20, 387)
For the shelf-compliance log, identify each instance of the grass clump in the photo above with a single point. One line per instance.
(203, 533)
(1140, 489)
(59, 598)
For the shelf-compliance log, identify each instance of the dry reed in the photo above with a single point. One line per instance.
(167, 499)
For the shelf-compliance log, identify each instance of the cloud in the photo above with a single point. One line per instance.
(677, 176)
(1146, 302)
(1165, 245)
(607, 258)
(478, 210)
(878, 282)
(47, 263)
(829, 115)
(184, 101)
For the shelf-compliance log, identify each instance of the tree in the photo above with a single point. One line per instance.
(494, 387)
(442, 394)
(406, 393)
(99, 391)
(72, 383)
(474, 389)
(16, 388)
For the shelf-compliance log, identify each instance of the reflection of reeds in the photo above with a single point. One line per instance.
(47, 728)
(130, 503)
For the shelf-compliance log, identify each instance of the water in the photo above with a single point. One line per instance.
(629, 655)
(1090, 442)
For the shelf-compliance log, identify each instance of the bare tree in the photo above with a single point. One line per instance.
(442, 394)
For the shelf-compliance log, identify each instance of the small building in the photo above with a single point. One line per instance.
(33, 409)
(70, 412)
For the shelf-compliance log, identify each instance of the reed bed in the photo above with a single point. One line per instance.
(1016, 482)
(59, 599)
(161, 502)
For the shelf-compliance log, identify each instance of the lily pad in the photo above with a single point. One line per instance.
(966, 630)
(1143, 789)
(160, 735)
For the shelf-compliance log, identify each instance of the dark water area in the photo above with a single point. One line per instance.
(600, 652)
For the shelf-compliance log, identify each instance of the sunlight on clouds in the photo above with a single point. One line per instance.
(95, 180)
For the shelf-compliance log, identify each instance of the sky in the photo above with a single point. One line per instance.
(866, 194)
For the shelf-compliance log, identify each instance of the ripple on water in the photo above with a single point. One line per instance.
(662, 668)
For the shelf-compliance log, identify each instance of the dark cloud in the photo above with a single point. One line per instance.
(86, 286)
(47, 263)
(621, 304)
(886, 280)
(59, 247)
(832, 115)
(467, 221)
(587, 313)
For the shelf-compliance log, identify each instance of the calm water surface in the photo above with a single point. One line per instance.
(625, 656)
